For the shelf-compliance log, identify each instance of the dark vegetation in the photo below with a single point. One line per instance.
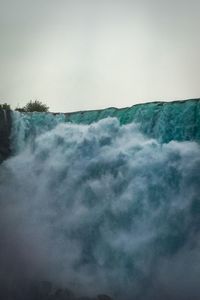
(32, 106)
(5, 106)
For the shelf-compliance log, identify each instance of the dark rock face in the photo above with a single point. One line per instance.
(5, 129)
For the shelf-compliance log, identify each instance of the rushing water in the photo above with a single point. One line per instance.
(101, 208)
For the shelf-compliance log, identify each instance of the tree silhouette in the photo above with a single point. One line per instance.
(32, 106)
(5, 106)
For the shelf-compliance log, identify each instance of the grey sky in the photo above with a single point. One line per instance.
(87, 54)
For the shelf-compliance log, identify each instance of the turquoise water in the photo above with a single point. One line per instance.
(163, 121)
(102, 204)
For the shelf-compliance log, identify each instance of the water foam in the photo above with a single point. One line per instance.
(104, 208)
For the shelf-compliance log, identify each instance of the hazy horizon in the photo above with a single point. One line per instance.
(83, 55)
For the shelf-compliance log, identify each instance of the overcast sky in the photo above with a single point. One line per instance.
(88, 54)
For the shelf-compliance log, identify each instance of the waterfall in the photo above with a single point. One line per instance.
(101, 204)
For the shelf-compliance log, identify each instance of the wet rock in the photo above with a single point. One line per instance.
(5, 129)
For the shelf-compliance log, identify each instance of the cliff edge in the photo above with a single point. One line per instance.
(5, 130)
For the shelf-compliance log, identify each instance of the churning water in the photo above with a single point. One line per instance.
(101, 208)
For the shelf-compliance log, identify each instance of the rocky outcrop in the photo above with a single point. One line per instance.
(5, 129)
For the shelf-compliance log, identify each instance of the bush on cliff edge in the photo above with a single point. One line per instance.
(5, 106)
(33, 106)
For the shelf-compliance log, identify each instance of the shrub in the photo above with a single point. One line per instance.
(32, 106)
(5, 106)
